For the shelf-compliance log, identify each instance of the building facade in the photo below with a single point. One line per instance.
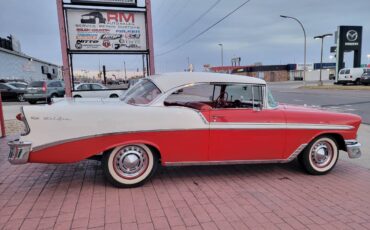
(15, 65)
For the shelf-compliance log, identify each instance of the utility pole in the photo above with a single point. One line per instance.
(322, 52)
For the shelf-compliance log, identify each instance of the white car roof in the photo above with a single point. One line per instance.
(168, 81)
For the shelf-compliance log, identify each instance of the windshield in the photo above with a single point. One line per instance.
(142, 93)
(271, 99)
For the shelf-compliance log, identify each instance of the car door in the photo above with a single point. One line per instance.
(240, 130)
(99, 91)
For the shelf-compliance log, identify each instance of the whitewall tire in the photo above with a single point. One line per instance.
(129, 165)
(320, 156)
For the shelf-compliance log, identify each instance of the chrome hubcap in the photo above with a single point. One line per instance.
(321, 154)
(131, 162)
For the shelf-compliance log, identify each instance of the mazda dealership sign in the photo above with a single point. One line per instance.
(106, 2)
(106, 31)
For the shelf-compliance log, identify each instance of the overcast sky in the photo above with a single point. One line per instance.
(255, 33)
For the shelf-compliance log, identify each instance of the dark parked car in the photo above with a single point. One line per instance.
(44, 91)
(93, 18)
(331, 76)
(365, 78)
(10, 92)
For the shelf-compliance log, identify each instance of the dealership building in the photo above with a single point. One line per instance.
(15, 65)
(272, 73)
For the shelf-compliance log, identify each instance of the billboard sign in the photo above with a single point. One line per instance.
(106, 2)
(106, 31)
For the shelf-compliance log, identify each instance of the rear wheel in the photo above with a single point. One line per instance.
(77, 96)
(358, 82)
(320, 156)
(32, 102)
(113, 96)
(129, 166)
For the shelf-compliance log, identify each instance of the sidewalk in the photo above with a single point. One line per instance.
(36, 196)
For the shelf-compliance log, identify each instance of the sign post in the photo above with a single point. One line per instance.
(150, 36)
(66, 68)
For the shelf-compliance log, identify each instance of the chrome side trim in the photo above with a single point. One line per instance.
(239, 162)
(353, 149)
(230, 125)
(213, 126)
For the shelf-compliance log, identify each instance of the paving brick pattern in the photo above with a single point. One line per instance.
(76, 196)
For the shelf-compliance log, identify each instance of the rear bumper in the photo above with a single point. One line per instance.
(19, 152)
(353, 149)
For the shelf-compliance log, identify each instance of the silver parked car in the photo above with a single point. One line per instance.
(44, 91)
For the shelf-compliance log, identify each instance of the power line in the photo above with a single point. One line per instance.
(194, 22)
(204, 31)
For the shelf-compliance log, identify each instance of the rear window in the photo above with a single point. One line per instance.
(37, 84)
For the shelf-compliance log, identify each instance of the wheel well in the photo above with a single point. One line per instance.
(151, 147)
(113, 95)
(155, 151)
(338, 138)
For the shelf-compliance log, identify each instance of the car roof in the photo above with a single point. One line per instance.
(168, 81)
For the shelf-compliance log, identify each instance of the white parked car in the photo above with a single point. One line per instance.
(351, 75)
(95, 90)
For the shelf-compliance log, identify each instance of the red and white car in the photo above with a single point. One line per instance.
(184, 119)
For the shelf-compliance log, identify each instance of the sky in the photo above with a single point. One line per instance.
(255, 33)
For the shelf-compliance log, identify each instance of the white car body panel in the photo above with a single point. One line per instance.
(99, 118)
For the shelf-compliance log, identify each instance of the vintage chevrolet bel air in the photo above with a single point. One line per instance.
(184, 119)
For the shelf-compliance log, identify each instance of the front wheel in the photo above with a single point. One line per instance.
(320, 156)
(129, 166)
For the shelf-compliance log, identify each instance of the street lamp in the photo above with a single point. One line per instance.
(305, 45)
(322, 50)
(222, 54)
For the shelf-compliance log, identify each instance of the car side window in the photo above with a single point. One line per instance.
(198, 97)
(96, 87)
(52, 84)
(347, 71)
(240, 96)
(84, 87)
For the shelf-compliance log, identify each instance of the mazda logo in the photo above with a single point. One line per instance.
(352, 35)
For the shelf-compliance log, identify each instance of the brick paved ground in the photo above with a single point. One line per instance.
(36, 196)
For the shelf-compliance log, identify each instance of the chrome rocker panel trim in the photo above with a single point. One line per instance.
(239, 162)
(19, 152)
(353, 149)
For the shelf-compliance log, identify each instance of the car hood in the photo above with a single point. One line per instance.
(317, 115)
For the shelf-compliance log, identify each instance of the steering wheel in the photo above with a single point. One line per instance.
(221, 101)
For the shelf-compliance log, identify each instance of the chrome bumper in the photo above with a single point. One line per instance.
(353, 149)
(19, 152)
